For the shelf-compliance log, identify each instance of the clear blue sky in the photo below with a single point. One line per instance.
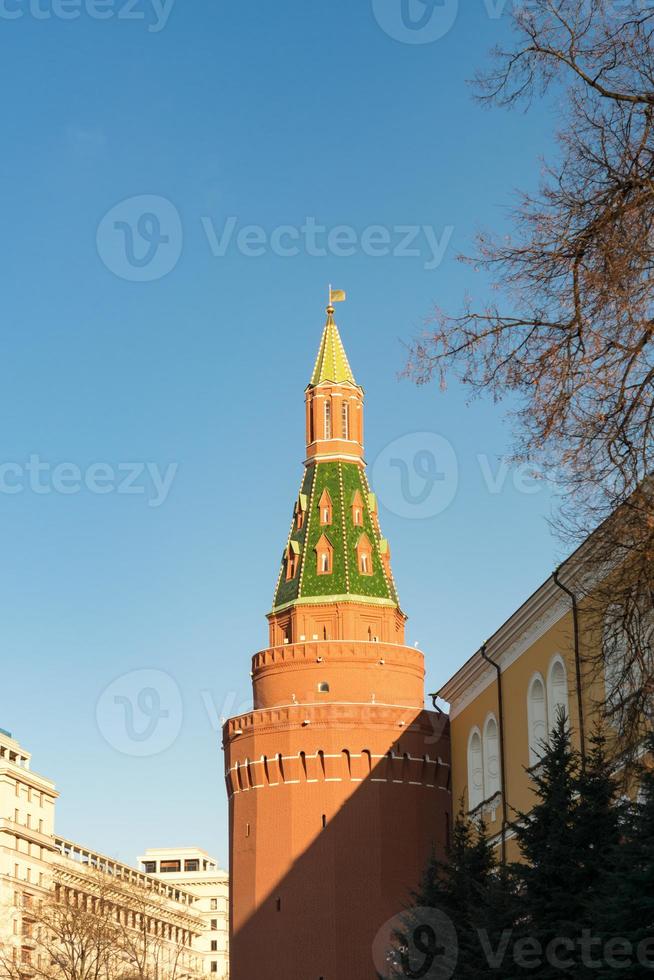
(268, 114)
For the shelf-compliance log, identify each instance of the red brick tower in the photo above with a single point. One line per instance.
(338, 779)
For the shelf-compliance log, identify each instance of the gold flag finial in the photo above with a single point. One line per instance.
(335, 296)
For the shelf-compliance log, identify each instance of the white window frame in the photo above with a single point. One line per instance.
(492, 782)
(536, 741)
(553, 703)
(475, 789)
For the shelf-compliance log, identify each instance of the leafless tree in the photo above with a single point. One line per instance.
(569, 334)
(95, 926)
(152, 945)
(63, 935)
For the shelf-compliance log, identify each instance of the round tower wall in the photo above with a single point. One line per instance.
(338, 671)
(334, 813)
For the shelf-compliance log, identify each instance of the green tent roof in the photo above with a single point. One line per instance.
(342, 480)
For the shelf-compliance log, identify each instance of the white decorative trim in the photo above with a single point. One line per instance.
(506, 647)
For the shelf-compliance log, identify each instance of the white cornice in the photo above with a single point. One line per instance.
(531, 621)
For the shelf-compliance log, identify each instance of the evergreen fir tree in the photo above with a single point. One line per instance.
(629, 908)
(597, 838)
(570, 848)
(468, 888)
(548, 904)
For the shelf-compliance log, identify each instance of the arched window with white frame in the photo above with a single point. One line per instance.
(475, 770)
(557, 692)
(537, 718)
(491, 756)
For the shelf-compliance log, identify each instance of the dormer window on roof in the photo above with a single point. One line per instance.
(357, 510)
(292, 560)
(364, 555)
(324, 556)
(326, 509)
(300, 511)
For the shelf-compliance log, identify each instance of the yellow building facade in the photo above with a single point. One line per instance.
(505, 699)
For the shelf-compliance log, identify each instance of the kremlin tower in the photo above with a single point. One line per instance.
(338, 779)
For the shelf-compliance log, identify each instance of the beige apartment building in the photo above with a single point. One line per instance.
(27, 844)
(158, 925)
(198, 873)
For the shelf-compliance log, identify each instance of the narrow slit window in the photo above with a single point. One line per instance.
(328, 419)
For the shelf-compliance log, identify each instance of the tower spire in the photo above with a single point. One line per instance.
(332, 365)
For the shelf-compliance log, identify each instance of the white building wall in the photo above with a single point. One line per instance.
(211, 885)
(30, 850)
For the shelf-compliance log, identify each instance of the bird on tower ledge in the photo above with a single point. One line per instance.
(338, 780)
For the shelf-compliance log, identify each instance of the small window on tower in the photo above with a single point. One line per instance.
(300, 508)
(346, 420)
(324, 556)
(357, 509)
(328, 419)
(292, 560)
(325, 508)
(323, 687)
(364, 554)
